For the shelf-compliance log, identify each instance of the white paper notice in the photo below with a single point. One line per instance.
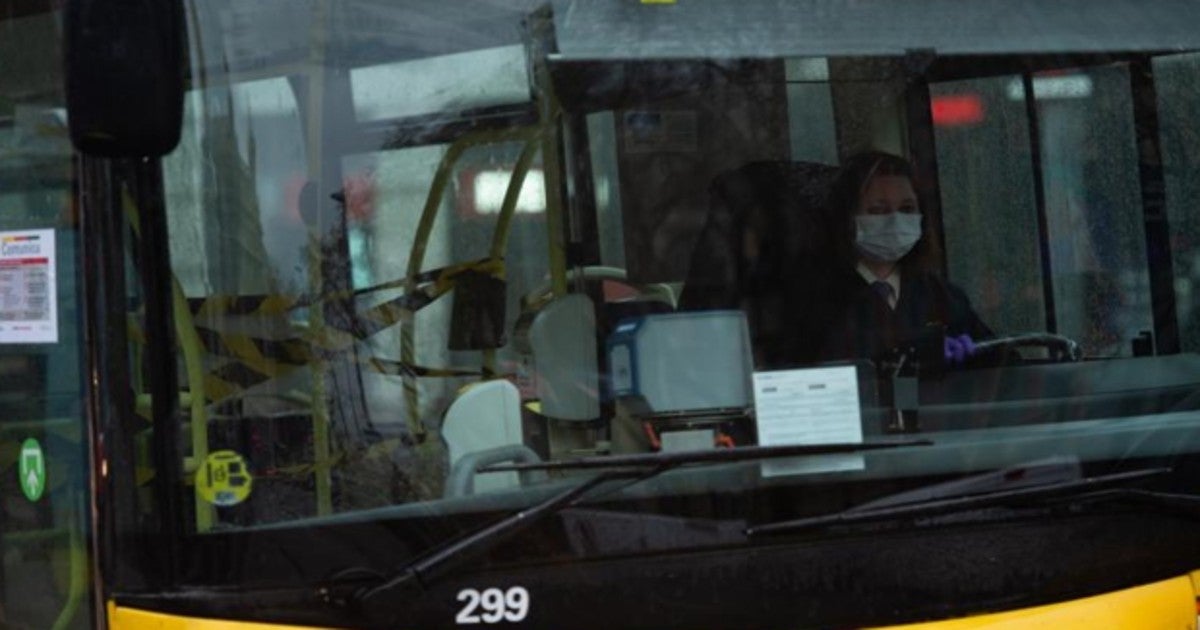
(811, 406)
(28, 304)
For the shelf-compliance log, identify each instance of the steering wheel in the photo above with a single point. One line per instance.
(1062, 349)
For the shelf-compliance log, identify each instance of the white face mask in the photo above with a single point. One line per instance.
(887, 237)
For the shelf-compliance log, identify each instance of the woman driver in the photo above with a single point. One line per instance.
(889, 294)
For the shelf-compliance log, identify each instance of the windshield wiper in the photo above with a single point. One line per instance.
(1075, 489)
(376, 601)
(672, 460)
(1187, 503)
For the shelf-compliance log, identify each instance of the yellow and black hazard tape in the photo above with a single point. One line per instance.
(233, 376)
(430, 285)
(238, 361)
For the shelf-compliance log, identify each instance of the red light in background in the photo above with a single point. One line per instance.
(957, 110)
(359, 191)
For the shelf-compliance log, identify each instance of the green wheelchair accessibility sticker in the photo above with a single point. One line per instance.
(31, 470)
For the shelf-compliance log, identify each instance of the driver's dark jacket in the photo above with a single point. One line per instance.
(862, 325)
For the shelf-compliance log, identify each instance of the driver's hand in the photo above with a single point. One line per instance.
(957, 349)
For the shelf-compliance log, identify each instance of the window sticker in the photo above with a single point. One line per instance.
(31, 470)
(28, 295)
(223, 479)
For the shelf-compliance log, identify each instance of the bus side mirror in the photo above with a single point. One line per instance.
(124, 76)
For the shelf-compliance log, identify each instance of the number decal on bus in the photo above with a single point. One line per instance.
(497, 605)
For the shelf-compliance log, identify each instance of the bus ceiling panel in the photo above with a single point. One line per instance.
(380, 31)
(588, 86)
(624, 29)
(255, 37)
(442, 128)
(595, 85)
(585, 86)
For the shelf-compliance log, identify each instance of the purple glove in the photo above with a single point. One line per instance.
(958, 348)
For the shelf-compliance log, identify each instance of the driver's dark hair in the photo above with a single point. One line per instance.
(848, 186)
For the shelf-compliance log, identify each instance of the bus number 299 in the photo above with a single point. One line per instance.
(493, 605)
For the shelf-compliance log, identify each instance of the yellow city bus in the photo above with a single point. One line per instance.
(599, 314)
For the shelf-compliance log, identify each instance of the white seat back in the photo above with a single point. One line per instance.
(484, 416)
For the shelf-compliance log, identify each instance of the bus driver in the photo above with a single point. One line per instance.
(888, 291)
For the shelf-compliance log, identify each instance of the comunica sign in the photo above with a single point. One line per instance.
(31, 470)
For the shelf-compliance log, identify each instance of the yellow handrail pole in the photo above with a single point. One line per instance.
(77, 581)
(508, 209)
(554, 211)
(511, 195)
(193, 363)
(550, 113)
(416, 259)
(189, 342)
(318, 367)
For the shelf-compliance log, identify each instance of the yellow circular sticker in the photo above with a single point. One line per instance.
(223, 479)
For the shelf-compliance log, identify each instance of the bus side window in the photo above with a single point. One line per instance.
(1178, 101)
(1094, 207)
(1098, 284)
(989, 204)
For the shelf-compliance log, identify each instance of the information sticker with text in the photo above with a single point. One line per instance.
(28, 305)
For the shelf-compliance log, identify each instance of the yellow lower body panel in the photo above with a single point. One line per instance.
(122, 618)
(1170, 604)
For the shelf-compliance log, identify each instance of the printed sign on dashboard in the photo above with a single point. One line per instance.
(809, 406)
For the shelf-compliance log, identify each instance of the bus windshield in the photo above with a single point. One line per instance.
(423, 261)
